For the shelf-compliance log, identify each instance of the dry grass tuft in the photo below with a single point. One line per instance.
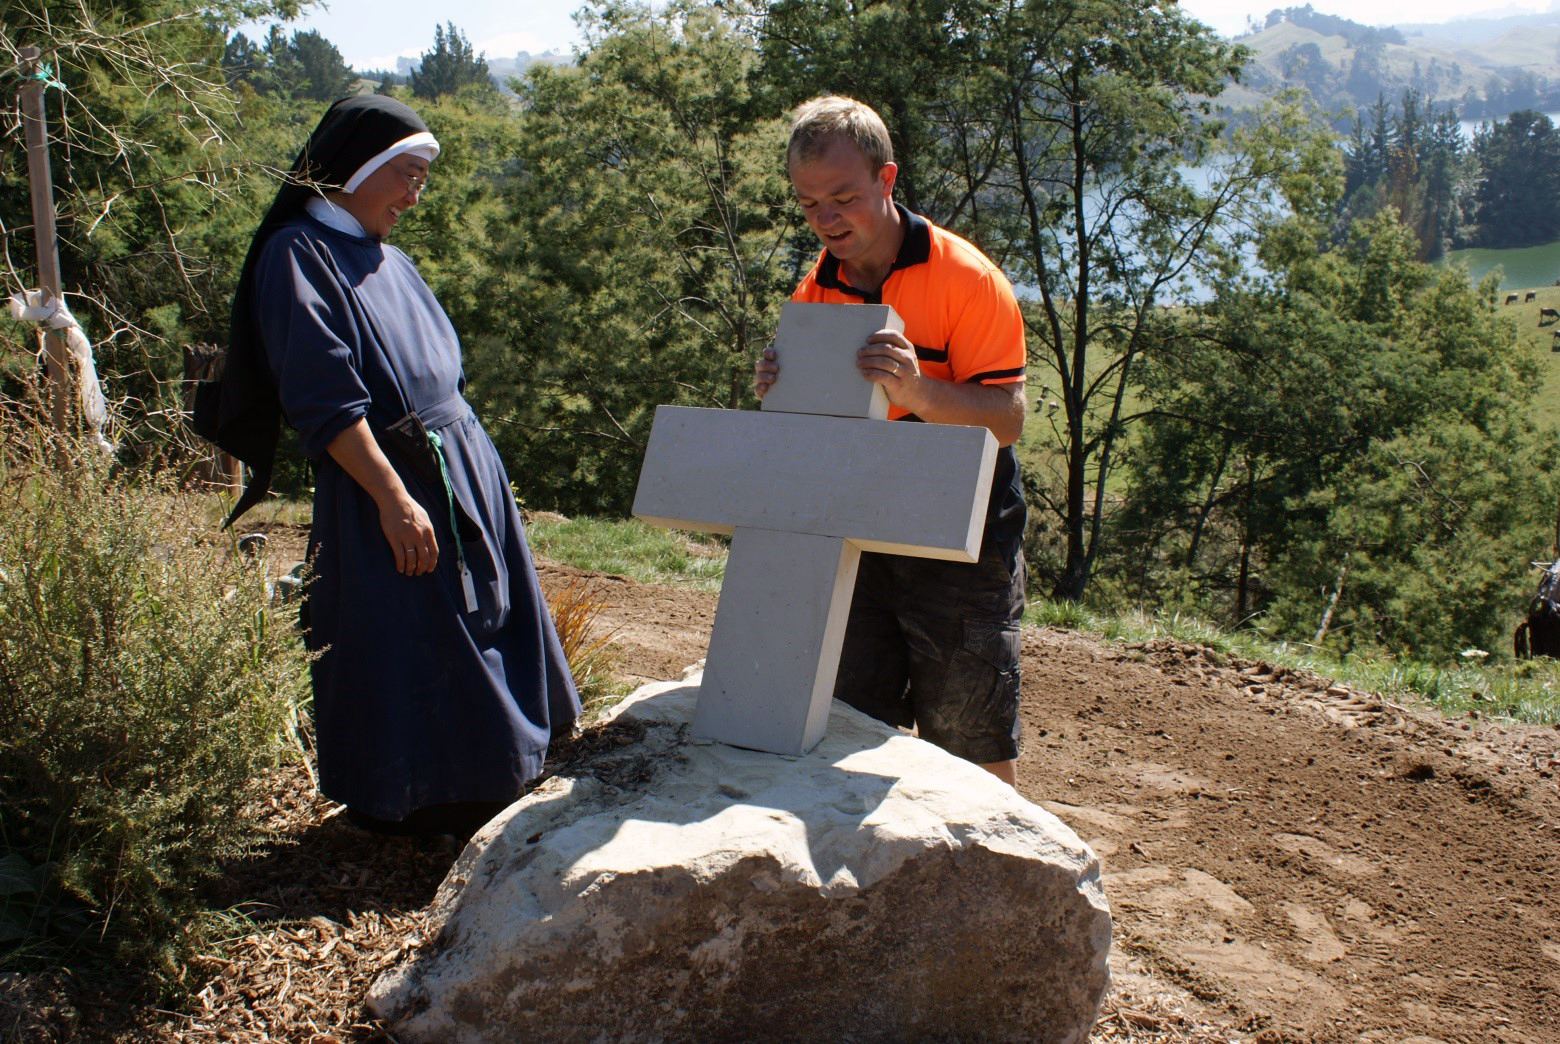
(574, 608)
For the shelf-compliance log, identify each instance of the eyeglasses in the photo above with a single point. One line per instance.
(414, 182)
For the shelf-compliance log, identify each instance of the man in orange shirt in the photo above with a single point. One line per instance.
(930, 644)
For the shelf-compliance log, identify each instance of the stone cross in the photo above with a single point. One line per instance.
(803, 487)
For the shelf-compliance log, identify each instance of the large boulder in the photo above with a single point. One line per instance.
(874, 889)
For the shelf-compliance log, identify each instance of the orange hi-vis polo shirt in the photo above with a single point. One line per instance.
(958, 307)
(961, 315)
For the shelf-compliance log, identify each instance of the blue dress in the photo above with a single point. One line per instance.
(417, 701)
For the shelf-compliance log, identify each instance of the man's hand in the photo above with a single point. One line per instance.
(764, 372)
(889, 359)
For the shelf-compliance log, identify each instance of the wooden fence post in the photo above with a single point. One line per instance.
(203, 362)
(33, 118)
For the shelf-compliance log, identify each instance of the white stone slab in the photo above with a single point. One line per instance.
(815, 347)
(775, 647)
(891, 486)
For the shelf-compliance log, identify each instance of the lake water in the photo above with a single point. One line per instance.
(1469, 126)
(1521, 267)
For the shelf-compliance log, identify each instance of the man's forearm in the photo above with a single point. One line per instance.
(997, 407)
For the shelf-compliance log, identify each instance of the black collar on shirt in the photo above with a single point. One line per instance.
(914, 249)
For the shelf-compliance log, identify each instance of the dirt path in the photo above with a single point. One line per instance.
(1284, 860)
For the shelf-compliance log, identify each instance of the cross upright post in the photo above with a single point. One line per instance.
(802, 488)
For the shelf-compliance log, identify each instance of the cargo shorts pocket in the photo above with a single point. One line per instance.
(984, 672)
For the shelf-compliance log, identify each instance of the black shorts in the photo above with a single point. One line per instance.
(933, 645)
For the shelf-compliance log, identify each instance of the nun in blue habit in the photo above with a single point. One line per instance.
(439, 680)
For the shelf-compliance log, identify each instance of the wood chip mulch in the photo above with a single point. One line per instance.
(321, 910)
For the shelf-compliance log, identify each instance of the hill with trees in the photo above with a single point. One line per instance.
(1345, 65)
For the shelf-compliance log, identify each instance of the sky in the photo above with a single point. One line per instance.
(371, 34)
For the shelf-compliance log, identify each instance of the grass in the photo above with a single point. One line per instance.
(1527, 691)
(574, 609)
(630, 548)
(1523, 691)
(1539, 341)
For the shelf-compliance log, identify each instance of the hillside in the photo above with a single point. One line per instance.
(1462, 32)
(1520, 64)
(1535, 50)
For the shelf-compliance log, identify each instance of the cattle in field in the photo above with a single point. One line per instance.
(1511, 298)
(1531, 294)
(1547, 313)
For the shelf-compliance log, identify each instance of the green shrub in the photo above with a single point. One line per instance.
(146, 683)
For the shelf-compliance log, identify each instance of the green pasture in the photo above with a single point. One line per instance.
(629, 547)
(1537, 337)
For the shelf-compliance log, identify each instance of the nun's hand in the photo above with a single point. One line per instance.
(409, 533)
(402, 519)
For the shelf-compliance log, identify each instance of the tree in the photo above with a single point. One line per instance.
(1059, 138)
(305, 66)
(1411, 159)
(450, 66)
(1365, 78)
(1442, 170)
(1518, 191)
(646, 254)
(155, 197)
(1349, 441)
(328, 76)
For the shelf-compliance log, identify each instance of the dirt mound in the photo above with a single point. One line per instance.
(1286, 859)
(1303, 861)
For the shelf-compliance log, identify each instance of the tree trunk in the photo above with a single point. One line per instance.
(1207, 505)
(1241, 581)
(1332, 603)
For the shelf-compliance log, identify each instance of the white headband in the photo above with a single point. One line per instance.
(421, 144)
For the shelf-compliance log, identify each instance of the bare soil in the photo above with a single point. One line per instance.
(1286, 860)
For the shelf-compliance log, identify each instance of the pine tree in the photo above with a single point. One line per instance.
(1518, 192)
(450, 66)
(304, 66)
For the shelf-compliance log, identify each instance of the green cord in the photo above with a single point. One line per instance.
(45, 76)
(449, 495)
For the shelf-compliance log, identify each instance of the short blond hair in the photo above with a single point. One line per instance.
(819, 123)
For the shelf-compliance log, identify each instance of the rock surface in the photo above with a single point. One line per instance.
(875, 889)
